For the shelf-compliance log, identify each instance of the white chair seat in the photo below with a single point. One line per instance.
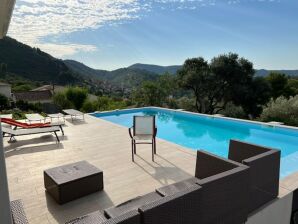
(142, 137)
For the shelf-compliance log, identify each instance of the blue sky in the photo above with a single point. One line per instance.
(109, 34)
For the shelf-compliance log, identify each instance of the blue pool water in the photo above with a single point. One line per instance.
(213, 134)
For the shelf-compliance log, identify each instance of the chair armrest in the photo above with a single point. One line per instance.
(155, 132)
(130, 133)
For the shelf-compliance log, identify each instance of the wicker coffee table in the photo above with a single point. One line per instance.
(72, 181)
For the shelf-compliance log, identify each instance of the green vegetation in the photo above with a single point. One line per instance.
(4, 102)
(282, 110)
(226, 84)
(77, 98)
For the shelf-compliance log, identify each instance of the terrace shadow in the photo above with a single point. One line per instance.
(76, 121)
(41, 144)
(82, 206)
(165, 175)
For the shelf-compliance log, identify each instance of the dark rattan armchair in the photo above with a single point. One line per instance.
(178, 208)
(264, 166)
(132, 217)
(18, 213)
(225, 190)
(143, 131)
(224, 194)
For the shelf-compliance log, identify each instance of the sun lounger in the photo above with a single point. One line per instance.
(35, 118)
(18, 124)
(58, 117)
(6, 116)
(31, 131)
(74, 113)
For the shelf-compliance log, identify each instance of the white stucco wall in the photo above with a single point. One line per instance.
(5, 90)
(277, 212)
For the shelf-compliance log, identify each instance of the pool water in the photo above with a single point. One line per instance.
(212, 134)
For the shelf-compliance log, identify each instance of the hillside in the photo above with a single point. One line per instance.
(156, 68)
(121, 78)
(84, 69)
(34, 64)
(174, 68)
(264, 72)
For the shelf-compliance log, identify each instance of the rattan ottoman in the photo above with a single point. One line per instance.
(72, 181)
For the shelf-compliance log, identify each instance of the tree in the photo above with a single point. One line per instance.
(195, 76)
(215, 84)
(149, 94)
(66, 78)
(233, 78)
(279, 85)
(3, 69)
(293, 85)
(76, 96)
(257, 95)
(4, 102)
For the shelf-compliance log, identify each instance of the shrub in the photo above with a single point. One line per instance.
(76, 96)
(89, 106)
(61, 101)
(25, 106)
(232, 110)
(186, 103)
(282, 110)
(106, 103)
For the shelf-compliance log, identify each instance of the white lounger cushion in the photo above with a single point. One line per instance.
(29, 131)
(73, 112)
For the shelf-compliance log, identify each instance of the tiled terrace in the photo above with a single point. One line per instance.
(106, 146)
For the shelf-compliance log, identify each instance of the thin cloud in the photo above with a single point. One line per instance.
(39, 23)
(36, 20)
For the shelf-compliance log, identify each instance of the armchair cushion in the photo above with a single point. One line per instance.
(177, 187)
(132, 205)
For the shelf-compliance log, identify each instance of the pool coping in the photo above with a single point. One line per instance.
(205, 115)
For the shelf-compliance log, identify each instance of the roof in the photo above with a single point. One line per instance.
(6, 8)
(4, 84)
(34, 95)
(50, 87)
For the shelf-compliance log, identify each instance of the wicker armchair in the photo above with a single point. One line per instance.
(264, 166)
(224, 197)
(178, 208)
(18, 213)
(132, 217)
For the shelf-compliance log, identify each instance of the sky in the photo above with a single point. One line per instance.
(110, 34)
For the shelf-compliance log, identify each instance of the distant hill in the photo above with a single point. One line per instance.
(85, 70)
(264, 72)
(122, 78)
(156, 68)
(34, 64)
(174, 68)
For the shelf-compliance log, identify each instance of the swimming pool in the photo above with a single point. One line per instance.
(212, 134)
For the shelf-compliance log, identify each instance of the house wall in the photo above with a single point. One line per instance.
(277, 212)
(5, 90)
(5, 215)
